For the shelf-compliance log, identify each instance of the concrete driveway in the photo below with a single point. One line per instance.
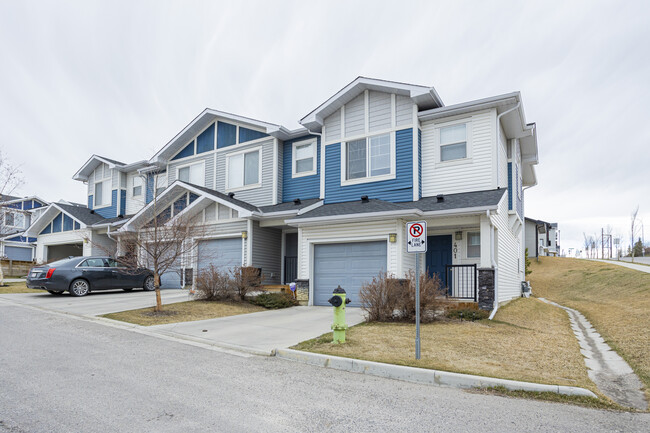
(261, 332)
(97, 303)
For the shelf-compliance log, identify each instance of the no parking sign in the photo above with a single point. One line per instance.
(416, 237)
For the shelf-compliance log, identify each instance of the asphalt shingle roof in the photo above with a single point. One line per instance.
(288, 206)
(82, 214)
(427, 204)
(225, 197)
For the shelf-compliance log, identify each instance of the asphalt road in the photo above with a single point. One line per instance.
(61, 374)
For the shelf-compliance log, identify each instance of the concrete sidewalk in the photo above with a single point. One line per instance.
(636, 267)
(261, 332)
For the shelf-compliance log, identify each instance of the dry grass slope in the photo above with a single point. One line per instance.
(529, 341)
(616, 300)
(18, 288)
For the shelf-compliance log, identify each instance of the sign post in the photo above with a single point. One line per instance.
(416, 242)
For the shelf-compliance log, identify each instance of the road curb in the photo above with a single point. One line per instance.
(423, 375)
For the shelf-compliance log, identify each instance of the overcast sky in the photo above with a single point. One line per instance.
(120, 79)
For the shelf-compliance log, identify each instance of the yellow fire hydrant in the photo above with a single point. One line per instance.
(339, 301)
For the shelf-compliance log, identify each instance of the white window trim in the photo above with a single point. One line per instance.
(368, 178)
(468, 142)
(110, 188)
(259, 167)
(467, 245)
(314, 169)
(189, 164)
(142, 186)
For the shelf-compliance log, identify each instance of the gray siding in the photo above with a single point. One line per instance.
(267, 244)
(207, 157)
(333, 126)
(355, 116)
(261, 196)
(403, 110)
(379, 111)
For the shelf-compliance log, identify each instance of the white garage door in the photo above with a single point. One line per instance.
(348, 265)
(221, 253)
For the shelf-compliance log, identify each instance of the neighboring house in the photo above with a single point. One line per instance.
(541, 238)
(16, 215)
(326, 204)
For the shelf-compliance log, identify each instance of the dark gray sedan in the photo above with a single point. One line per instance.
(82, 275)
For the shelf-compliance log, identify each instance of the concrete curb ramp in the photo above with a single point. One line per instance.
(422, 375)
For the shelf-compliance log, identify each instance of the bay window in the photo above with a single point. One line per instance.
(369, 157)
(243, 169)
(453, 142)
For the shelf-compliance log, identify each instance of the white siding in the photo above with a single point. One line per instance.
(509, 258)
(471, 174)
(355, 116)
(102, 245)
(69, 237)
(403, 111)
(352, 232)
(379, 111)
(333, 126)
(260, 196)
(115, 179)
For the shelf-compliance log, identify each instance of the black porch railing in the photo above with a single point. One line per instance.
(462, 282)
(290, 269)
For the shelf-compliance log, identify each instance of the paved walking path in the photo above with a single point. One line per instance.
(611, 374)
(637, 267)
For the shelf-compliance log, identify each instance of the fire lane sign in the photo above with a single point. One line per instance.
(416, 237)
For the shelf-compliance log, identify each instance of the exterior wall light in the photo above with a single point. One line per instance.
(459, 236)
(392, 238)
(244, 234)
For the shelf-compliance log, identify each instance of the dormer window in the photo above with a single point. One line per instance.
(453, 142)
(304, 158)
(369, 159)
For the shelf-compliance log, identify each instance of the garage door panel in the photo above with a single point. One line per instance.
(221, 253)
(349, 265)
(18, 253)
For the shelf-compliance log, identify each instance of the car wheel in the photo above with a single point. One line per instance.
(54, 292)
(149, 284)
(79, 288)
(127, 290)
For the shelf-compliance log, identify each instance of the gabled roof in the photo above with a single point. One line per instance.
(202, 121)
(8, 199)
(423, 96)
(95, 160)
(81, 214)
(291, 206)
(468, 202)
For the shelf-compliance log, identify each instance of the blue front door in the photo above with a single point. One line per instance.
(439, 256)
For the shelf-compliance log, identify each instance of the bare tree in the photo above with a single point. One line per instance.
(633, 230)
(10, 179)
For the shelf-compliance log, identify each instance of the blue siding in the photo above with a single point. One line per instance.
(27, 205)
(123, 201)
(520, 204)
(18, 205)
(205, 141)
(90, 202)
(56, 223)
(510, 186)
(399, 189)
(246, 134)
(46, 230)
(109, 211)
(17, 239)
(68, 223)
(226, 134)
(148, 195)
(187, 151)
(304, 187)
(419, 164)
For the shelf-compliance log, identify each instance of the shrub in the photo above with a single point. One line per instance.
(389, 299)
(213, 284)
(467, 314)
(274, 301)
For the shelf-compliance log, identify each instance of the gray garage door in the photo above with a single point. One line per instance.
(348, 265)
(221, 253)
(18, 253)
(57, 252)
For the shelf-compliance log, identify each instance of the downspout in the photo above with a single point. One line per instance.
(497, 134)
(496, 270)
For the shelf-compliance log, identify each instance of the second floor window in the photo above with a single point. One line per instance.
(453, 142)
(14, 219)
(137, 186)
(102, 192)
(194, 174)
(368, 157)
(304, 158)
(243, 169)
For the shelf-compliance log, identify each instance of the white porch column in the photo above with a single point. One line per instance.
(486, 251)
